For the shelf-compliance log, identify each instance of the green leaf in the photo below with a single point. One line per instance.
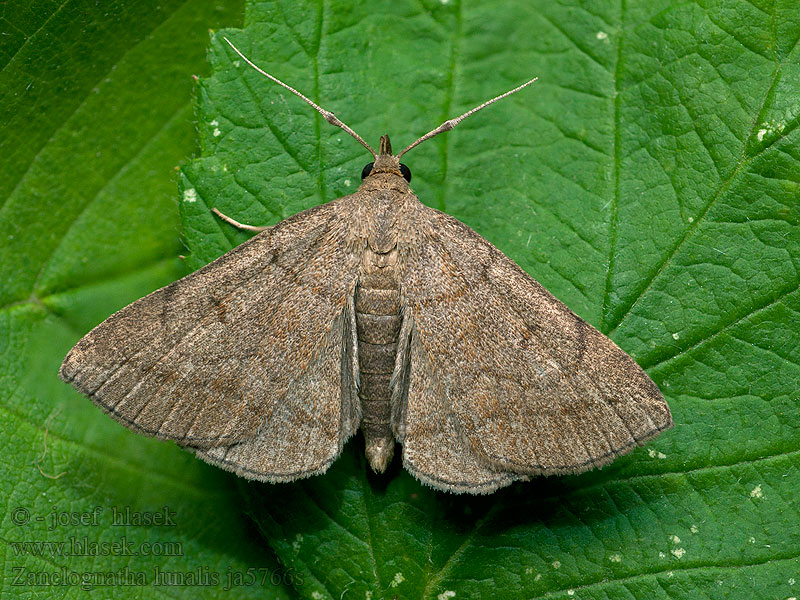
(649, 179)
(95, 101)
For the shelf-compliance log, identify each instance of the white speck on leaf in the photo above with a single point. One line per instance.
(616, 557)
(298, 539)
(662, 555)
(756, 492)
(570, 592)
(446, 594)
(347, 182)
(674, 539)
(217, 132)
(678, 552)
(751, 540)
(602, 35)
(214, 123)
(556, 564)
(791, 580)
(538, 577)
(190, 195)
(398, 579)
(675, 336)
(693, 528)
(770, 127)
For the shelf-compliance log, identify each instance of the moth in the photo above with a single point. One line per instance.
(376, 312)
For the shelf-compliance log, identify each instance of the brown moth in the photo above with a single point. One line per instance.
(375, 312)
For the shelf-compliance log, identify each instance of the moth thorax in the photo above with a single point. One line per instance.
(375, 263)
(378, 321)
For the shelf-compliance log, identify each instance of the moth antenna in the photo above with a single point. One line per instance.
(449, 124)
(329, 116)
(236, 223)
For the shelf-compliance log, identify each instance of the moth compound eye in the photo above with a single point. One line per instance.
(406, 172)
(366, 171)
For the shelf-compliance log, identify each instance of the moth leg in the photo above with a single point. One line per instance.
(236, 223)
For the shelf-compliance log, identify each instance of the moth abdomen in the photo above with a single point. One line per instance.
(378, 321)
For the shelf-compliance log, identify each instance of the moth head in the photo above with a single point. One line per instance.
(386, 163)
